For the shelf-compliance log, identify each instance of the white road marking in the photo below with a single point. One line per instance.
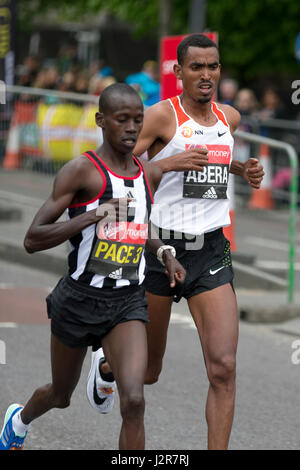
(8, 325)
(277, 265)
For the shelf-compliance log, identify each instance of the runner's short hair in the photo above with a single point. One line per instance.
(193, 40)
(113, 91)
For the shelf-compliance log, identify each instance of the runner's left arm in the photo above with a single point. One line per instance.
(252, 171)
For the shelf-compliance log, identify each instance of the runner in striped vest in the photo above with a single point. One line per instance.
(101, 302)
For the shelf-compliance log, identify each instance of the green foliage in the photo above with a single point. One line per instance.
(255, 36)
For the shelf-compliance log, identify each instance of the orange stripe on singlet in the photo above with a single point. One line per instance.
(220, 115)
(181, 116)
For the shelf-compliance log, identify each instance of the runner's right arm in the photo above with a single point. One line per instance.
(158, 129)
(44, 232)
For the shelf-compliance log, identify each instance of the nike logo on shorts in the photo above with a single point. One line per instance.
(216, 270)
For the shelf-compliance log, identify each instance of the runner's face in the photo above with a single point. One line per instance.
(123, 123)
(200, 73)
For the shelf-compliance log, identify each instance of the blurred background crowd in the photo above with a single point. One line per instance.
(77, 51)
(65, 74)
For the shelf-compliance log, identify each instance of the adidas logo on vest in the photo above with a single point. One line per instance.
(117, 274)
(210, 193)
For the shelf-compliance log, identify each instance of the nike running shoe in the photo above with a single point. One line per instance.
(100, 392)
(9, 440)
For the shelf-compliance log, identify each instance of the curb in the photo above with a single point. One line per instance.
(41, 261)
(278, 314)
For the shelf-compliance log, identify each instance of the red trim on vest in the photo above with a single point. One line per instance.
(220, 115)
(181, 116)
(119, 176)
(102, 189)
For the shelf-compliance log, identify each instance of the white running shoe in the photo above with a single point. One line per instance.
(100, 393)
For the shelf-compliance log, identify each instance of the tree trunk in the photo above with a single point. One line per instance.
(197, 17)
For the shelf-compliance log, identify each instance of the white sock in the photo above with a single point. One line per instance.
(18, 426)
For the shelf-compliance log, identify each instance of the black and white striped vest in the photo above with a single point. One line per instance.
(111, 254)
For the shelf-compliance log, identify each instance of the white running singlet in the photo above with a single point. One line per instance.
(195, 202)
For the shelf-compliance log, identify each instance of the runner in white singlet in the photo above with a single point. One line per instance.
(190, 138)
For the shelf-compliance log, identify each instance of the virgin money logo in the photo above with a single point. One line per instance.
(216, 153)
(127, 232)
(114, 231)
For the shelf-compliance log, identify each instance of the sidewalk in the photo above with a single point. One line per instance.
(261, 296)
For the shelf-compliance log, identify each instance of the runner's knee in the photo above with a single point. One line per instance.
(222, 370)
(132, 406)
(152, 374)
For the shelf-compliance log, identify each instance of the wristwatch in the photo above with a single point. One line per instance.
(160, 252)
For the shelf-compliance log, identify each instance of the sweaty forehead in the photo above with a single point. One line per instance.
(119, 101)
(201, 54)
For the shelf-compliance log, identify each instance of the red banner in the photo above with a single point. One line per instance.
(170, 86)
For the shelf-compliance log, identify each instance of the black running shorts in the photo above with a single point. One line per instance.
(82, 315)
(207, 267)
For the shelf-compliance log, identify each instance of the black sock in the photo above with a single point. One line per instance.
(108, 376)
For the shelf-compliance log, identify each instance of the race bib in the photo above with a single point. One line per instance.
(211, 183)
(118, 250)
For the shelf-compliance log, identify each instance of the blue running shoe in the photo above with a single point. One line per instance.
(8, 439)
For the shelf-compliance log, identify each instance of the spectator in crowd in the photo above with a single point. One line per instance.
(81, 83)
(228, 90)
(28, 71)
(51, 78)
(95, 85)
(245, 102)
(98, 84)
(146, 82)
(272, 106)
(51, 83)
(99, 68)
(40, 80)
(67, 82)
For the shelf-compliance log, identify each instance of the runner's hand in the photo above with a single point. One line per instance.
(191, 159)
(174, 270)
(253, 172)
(114, 210)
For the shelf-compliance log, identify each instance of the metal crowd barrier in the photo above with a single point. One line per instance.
(292, 156)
